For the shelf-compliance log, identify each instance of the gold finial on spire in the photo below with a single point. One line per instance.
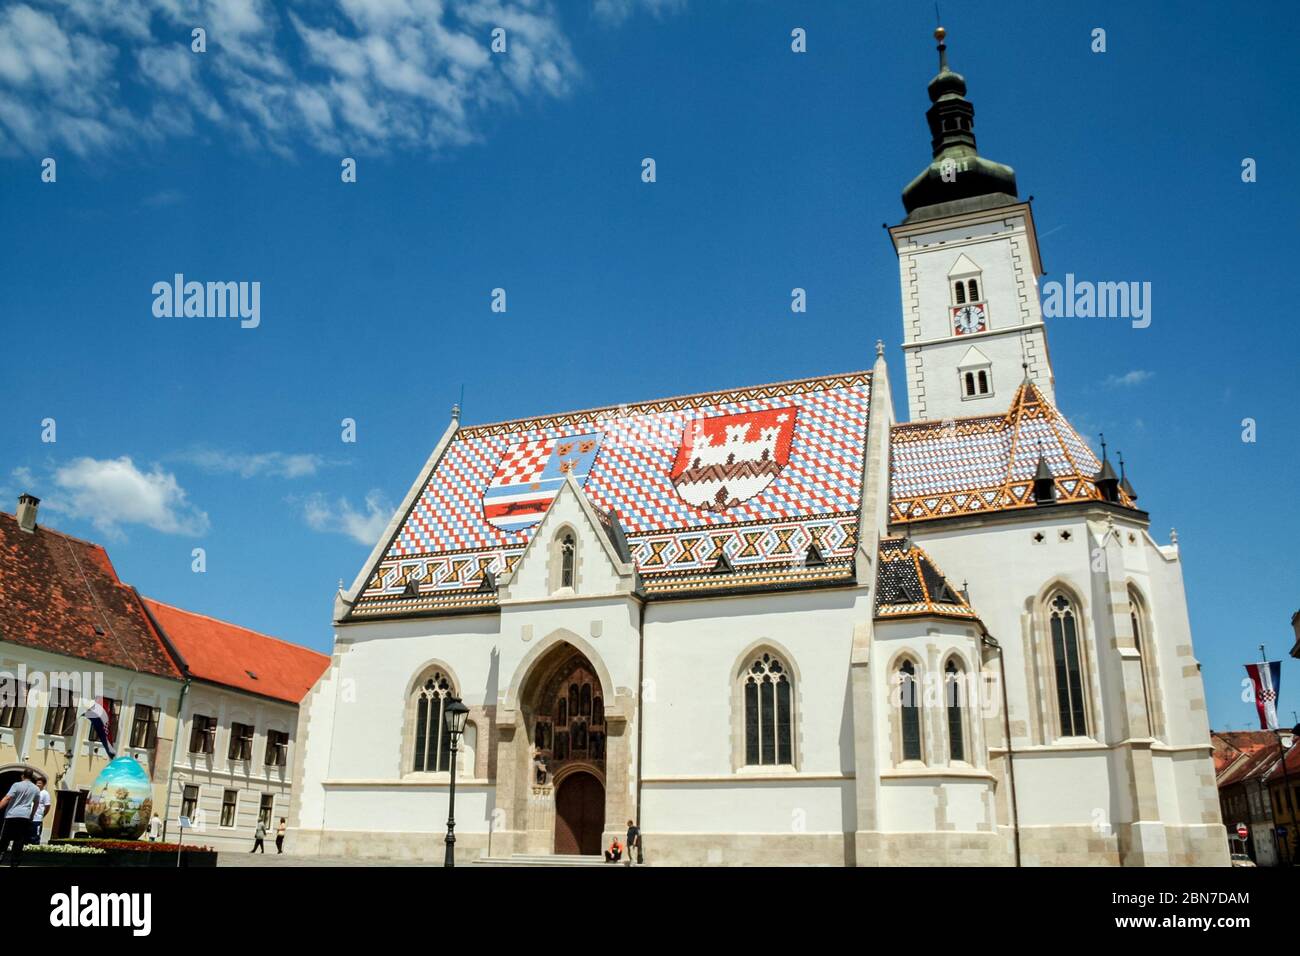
(940, 33)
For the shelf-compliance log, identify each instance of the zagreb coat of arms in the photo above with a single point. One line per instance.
(728, 459)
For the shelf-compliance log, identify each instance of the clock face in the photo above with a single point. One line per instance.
(969, 318)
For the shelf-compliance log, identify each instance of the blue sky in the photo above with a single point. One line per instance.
(775, 170)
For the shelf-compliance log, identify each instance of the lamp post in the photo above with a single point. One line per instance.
(456, 714)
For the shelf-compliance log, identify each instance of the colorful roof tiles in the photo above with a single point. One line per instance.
(909, 584)
(965, 466)
(758, 474)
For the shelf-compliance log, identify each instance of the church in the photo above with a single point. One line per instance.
(783, 624)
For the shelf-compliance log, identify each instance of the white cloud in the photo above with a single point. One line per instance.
(1135, 377)
(113, 492)
(616, 11)
(354, 75)
(339, 517)
(275, 464)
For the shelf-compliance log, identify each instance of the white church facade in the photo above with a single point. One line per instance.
(779, 624)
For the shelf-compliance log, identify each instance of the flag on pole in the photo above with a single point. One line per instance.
(99, 723)
(1267, 678)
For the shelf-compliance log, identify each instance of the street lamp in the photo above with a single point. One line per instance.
(456, 714)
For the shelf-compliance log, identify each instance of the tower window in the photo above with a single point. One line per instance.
(959, 292)
(974, 288)
(976, 384)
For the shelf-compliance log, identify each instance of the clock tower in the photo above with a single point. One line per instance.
(969, 266)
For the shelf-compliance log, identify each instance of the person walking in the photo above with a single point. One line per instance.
(155, 829)
(19, 806)
(259, 838)
(42, 804)
(633, 844)
(279, 836)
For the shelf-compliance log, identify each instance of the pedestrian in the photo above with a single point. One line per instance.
(155, 829)
(19, 806)
(614, 852)
(259, 838)
(42, 804)
(633, 844)
(279, 836)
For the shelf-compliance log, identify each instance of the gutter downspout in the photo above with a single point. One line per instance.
(180, 705)
(171, 764)
(988, 640)
(640, 714)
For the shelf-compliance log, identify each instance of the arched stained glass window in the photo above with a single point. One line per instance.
(769, 718)
(952, 698)
(432, 738)
(909, 711)
(1068, 667)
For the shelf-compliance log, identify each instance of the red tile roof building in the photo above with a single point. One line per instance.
(61, 594)
(222, 653)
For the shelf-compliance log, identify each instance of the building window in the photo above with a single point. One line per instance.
(909, 711)
(976, 383)
(228, 801)
(952, 691)
(277, 748)
(1145, 661)
(111, 708)
(61, 714)
(973, 289)
(567, 549)
(189, 802)
(144, 728)
(1067, 667)
(13, 702)
(241, 742)
(769, 719)
(959, 292)
(203, 735)
(432, 739)
(266, 810)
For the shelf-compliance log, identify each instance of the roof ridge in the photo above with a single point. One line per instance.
(807, 380)
(217, 620)
(63, 534)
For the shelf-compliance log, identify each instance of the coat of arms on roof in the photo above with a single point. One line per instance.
(728, 459)
(530, 473)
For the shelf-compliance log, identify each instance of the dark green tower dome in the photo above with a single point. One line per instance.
(973, 182)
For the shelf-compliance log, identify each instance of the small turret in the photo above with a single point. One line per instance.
(1106, 480)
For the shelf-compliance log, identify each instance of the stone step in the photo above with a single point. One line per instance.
(542, 859)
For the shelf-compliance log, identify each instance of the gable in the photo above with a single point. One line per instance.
(963, 267)
(758, 473)
(598, 569)
(973, 358)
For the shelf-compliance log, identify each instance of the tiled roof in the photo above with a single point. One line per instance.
(759, 474)
(963, 466)
(908, 584)
(234, 656)
(61, 594)
(1242, 755)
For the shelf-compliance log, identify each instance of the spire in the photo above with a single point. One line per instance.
(1044, 483)
(1124, 486)
(1107, 481)
(958, 172)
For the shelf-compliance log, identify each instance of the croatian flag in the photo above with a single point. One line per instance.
(99, 722)
(1267, 678)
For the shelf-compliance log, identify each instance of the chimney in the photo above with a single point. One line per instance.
(27, 505)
